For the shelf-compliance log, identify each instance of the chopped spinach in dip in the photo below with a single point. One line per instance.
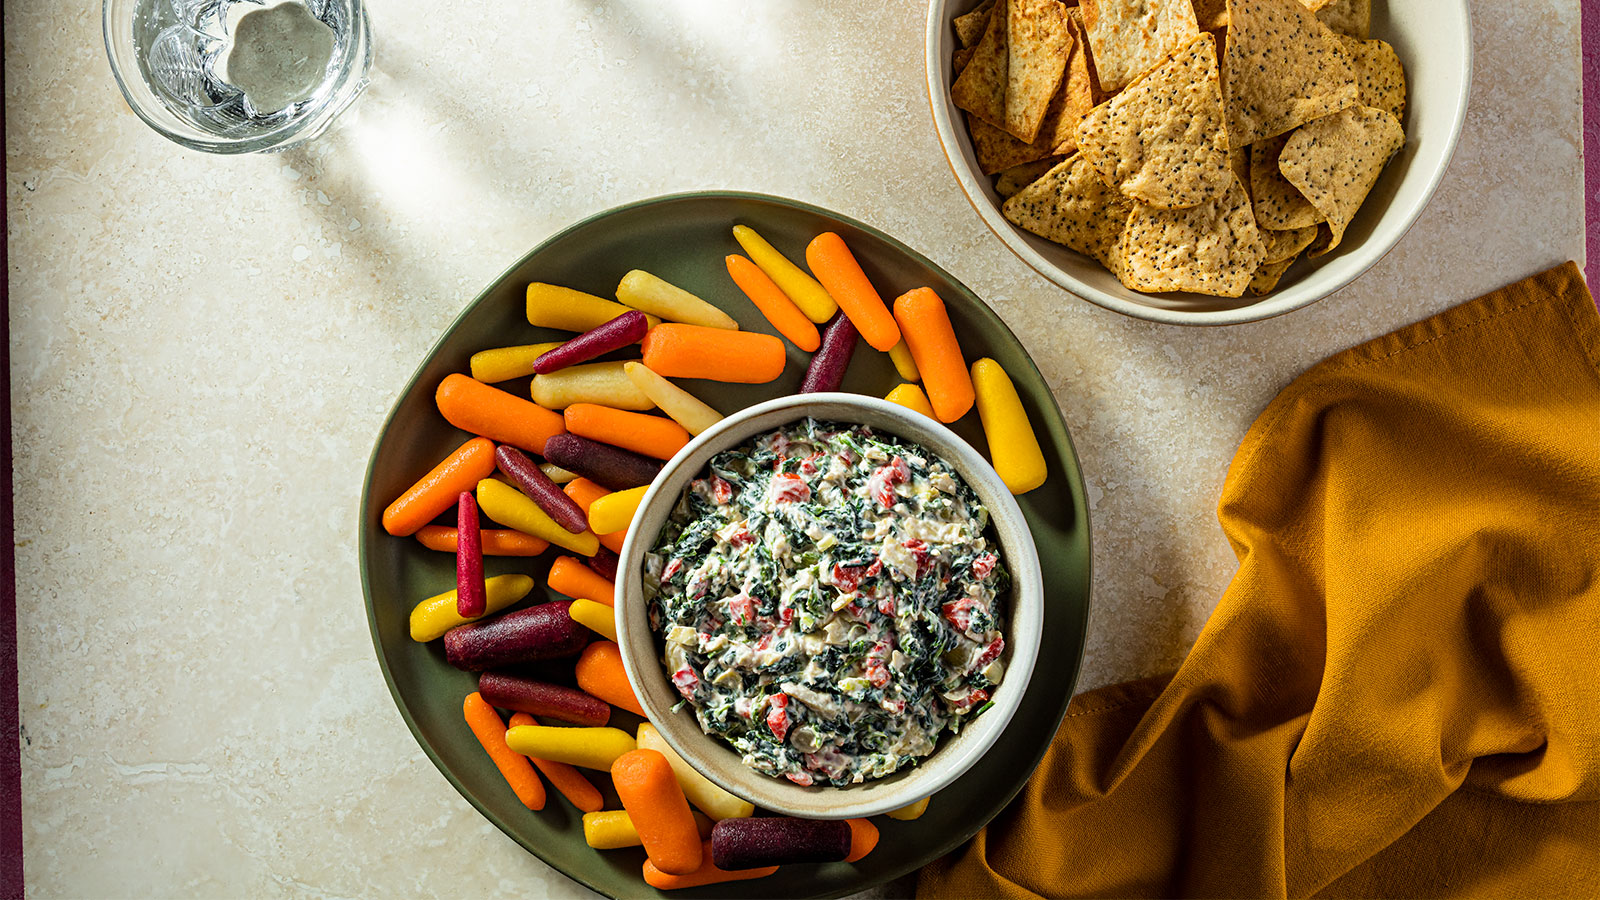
(829, 602)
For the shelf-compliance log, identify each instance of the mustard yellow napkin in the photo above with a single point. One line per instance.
(1399, 694)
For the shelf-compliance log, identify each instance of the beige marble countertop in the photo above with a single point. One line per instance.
(203, 349)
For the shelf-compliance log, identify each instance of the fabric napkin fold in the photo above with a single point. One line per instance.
(1399, 693)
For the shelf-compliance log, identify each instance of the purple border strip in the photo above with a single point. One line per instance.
(1591, 142)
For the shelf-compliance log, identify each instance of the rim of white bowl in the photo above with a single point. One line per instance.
(1361, 258)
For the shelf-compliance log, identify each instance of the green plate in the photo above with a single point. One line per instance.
(683, 238)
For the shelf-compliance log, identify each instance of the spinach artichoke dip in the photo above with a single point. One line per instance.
(829, 602)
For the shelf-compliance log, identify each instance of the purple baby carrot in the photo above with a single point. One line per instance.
(471, 597)
(540, 489)
(826, 371)
(628, 328)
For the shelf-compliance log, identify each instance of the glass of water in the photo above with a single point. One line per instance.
(238, 76)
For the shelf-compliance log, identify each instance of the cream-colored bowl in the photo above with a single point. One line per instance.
(641, 648)
(1433, 39)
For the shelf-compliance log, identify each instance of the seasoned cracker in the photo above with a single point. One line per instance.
(1336, 160)
(1279, 205)
(980, 89)
(1071, 205)
(1380, 80)
(1213, 248)
(1282, 245)
(1283, 69)
(1038, 44)
(970, 26)
(1014, 179)
(1348, 17)
(1161, 141)
(1131, 37)
(1268, 274)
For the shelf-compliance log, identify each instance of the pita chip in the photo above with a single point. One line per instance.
(1131, 37)
(970, 26)
(1038, 43)
(1279, 205)
(1380, 79)
(1161, 141)
(1284, 68)
(1348, 17)
(980, 89)
(1336, 160)
(1282, 245)
(1071, 205)
(1214, 248)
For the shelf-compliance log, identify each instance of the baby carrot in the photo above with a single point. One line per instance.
(436, 491)
(774, 303)
(495, 541)
(614, 512)
(804, 290)
(506, 363)
(693, 351)
(501, 417)
(641, 290)
(600, 672)
(540, 489)
(431, 618)
(470, 595)
(837, 269)
(911, 397)
(910, 811)
(564, 778)
(584, 493)
(932, 340)
(604, 563)
(701, 791)
(826, 370)
(591, 748)
(863, 837)
(491, 733)
(552, 306)
(684, 407)
(556, 473)
(708, 873)
(509, 506)
(650, 793)
(597, 617)
(613, 829)
(649, 435)
(603, 382)
(625, 329)
(904, 364)
(576, 580)
(1013, 447)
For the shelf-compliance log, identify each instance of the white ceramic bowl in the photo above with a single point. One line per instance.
(641, 649)
(1433, 39)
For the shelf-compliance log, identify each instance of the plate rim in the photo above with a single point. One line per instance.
(364, 533)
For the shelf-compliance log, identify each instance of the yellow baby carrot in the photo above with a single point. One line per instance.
(682, 406)
(900, 355)
(553, 306)
(506, 363)
(911, 397)
(511, 507)
(431, 618)
(596, 617)
(605, 383)
(648, 293)
(614, 512)
(910, 811)
(591, 748)
(804, 290)
(613, 829)
(1013, 447)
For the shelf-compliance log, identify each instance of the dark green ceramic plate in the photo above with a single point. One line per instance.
(683, 238)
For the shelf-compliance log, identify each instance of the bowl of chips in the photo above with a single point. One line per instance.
(1199, 162)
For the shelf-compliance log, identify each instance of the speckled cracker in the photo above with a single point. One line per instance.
(1278, 203)
(1131, 37)
(1071, 205)
(1348, 17)
(1161, 141)
(1380, 79)
(1268, 273)
(1038, 44)
(980, 89)
(1213, 248)
(1014, 179)
(970, 26)
(1283, 69)
(1239, 162)
(1282, 245)
(1314, 5)
(1334, 162)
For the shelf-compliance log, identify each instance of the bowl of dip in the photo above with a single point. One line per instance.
(829, 605)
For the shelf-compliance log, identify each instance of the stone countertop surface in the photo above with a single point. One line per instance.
(203, 348)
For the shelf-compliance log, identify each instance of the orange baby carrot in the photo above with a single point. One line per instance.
(650, 793)
(476, 407)
(774, 304)
(436, 491)
(708, 873)
(600, 673)
(932, 340)
(716, 354)
(833, 264)
(863, 837)
(584, 492)
(567, 779)
(650, 435)
(491, 733)
(568, 575)
(496, 541)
